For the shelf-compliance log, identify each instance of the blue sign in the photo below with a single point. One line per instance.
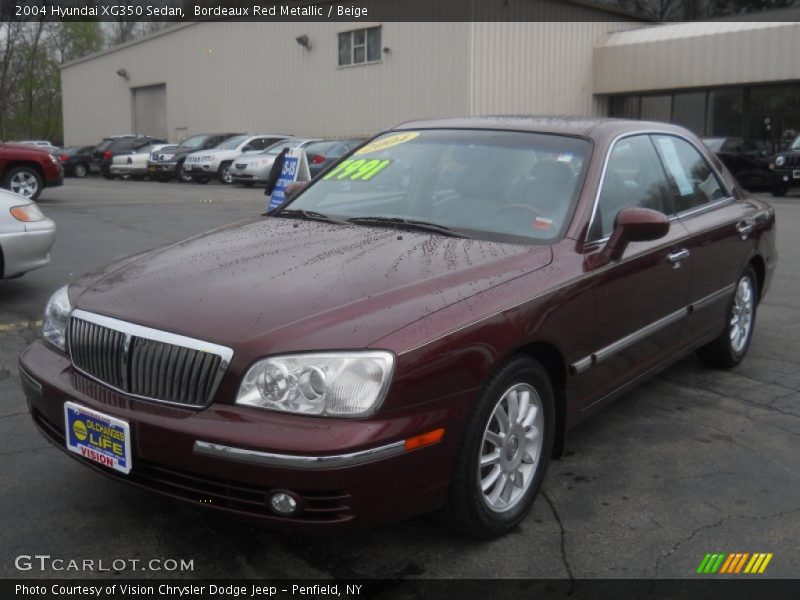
(287, 176)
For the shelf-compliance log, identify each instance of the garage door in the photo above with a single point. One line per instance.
(150, 110)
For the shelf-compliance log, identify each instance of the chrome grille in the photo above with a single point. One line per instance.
(144, 362)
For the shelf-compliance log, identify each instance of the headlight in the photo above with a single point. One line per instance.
(56, 315)
(339, 384)
(54, 158)
(27, 213)
(780, 161)
(262, 163)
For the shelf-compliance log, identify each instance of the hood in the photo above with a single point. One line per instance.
(278, 285)
(254, 158)
(22, 147)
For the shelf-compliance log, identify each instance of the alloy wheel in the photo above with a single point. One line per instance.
(24, 184)
(511, 448)
(742, 314)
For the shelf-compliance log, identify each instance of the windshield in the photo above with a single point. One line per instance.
(276, 148)
(796, 143)
(233, 142)
(499, 185)
(194, 142)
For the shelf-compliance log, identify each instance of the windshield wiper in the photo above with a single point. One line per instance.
(410, 224)
(311, 215)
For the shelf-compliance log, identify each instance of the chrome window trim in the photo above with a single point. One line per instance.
(621, 344)
(157, 335)
(650, 132)
(297, 461)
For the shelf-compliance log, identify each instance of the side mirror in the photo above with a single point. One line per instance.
(633, 224)
(295, 188)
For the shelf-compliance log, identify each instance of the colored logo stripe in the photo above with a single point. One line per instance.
(723, 563)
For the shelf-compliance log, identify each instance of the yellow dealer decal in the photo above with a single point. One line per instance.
(389, 141)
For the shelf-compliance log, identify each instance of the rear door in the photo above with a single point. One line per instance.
(640, 299)
(720, 228)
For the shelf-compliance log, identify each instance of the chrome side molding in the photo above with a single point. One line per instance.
(582, 365)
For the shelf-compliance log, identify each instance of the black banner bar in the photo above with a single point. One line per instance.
(734, 588)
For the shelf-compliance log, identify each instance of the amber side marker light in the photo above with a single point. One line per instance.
(425, 439)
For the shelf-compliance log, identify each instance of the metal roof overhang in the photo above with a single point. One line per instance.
(697, 54)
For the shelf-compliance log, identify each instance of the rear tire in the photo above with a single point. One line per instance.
(80, 170)
(24, 181)
(504, 452)
(730, 347)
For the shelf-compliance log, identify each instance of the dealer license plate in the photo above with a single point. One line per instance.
(98, 437)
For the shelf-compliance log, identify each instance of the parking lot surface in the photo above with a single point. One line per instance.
(693, 461)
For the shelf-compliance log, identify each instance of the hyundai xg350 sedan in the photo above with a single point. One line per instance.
(379, 346)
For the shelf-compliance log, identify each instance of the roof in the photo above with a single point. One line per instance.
(556, 124)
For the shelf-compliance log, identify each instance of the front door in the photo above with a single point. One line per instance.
(640, 300)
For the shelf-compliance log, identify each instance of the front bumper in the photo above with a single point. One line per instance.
(344, 472)
(162, 168)
(27, 249)
(127, 170)
(201, 168)
(786, 177)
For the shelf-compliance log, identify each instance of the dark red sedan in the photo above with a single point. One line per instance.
(415, 330)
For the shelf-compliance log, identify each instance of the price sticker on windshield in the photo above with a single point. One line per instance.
(358, 170)
(388, 142)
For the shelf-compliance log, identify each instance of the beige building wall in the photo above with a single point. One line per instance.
(537, 67)
(231, 76)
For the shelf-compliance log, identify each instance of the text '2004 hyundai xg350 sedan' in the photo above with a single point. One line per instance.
(415, 330)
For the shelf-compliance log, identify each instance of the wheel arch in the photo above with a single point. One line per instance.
(13, 164)
(554, 363)
(760, 267)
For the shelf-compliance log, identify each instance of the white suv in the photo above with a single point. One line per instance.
(205, 164)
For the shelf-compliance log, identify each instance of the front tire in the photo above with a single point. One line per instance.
(24, 181)
(730, 347)
(181, 174)
(504, 452)
(224, 173)
(779, 191)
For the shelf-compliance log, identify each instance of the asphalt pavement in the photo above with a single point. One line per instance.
(693, 461)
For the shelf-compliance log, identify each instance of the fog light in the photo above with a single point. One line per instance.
(283, 503)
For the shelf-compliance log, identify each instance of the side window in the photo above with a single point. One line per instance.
(693, 183)
(633, 177)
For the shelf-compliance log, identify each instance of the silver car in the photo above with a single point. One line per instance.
(255, 169)
(216, 162)
(26, 236)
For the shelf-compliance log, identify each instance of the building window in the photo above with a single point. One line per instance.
(359, 46)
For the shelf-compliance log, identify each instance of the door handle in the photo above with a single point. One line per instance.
(676, 257)
(744, 228)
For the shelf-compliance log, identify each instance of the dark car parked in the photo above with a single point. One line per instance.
(786, 169)
(165, 165)
(747, 161)
(367, 352)
(26, 169)
(104, 153)
(322, 155)
(76, 160)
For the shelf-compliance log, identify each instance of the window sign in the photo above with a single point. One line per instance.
(673, 164)
(295, 168)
